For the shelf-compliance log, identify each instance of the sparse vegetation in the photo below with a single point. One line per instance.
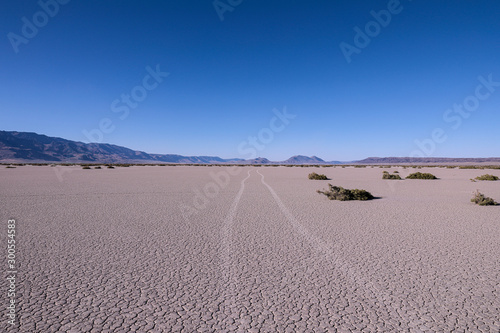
(387, 175)
(10, 167)
(420, 175)
(396, 171)
(110, 167)
(343, 194)
(97, 167)
(481, 200)
(86, 167)
(315, 176)
(487, 177)
(470, 167)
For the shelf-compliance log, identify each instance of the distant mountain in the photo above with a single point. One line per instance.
(32, 147)
(301, 159)
(259, 160)
(427, 160)
(25, 146)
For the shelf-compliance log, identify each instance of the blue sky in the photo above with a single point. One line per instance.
(227, 76)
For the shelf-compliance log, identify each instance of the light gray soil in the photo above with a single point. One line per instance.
(140, 249)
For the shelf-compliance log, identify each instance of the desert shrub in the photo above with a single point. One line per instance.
(110, 167)
(10, 167)
(315, 176)
(343, 194)
(86, 167)
(469, 167)
(487, 177)
(481, 200)
(420, 175)
(387, 175)
(97, 167)
(396, 171)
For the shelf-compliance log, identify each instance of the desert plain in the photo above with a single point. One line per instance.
(144, 249)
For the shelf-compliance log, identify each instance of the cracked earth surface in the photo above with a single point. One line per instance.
(110, 251)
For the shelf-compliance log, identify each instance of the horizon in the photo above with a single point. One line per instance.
(270, 160)
(341, 81)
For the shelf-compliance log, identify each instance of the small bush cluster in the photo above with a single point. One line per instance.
(343, 194)
(481, 200)
(315, 176)
(387, 175)
(420, 175)
(487, 177)
(86, 167)
(10, 167)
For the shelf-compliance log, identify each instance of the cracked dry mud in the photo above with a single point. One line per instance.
(109, 251)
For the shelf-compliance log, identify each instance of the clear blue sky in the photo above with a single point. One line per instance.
(226, 77)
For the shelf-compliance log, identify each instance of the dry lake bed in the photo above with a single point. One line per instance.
(249, 249)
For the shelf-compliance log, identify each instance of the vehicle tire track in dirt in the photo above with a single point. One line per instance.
(226, 260)
(343, 264)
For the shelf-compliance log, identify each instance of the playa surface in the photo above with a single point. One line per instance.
(250, 249)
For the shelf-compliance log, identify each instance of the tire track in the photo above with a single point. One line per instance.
(229, 281)
(320, 246)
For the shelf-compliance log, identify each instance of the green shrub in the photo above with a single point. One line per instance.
(110, 167)
(420, 175)
(315, 176)
(97, 167)
(487, 177)
(387, 175)
(481, 200)
(396, 171)
(86, 167)
(10, 167)
(343, 194)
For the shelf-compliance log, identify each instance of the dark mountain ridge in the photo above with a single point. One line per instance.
(39, 148)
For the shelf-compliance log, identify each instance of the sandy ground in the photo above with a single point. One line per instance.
(143, 249)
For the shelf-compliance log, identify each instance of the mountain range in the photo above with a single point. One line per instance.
(37, 148)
